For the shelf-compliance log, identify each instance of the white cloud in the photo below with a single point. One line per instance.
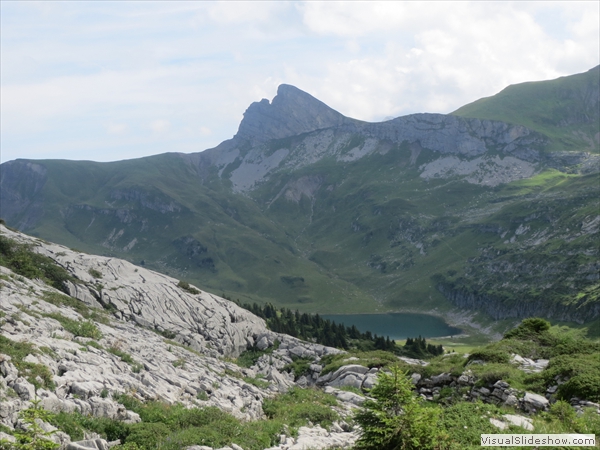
(160, 126)
(177, 76)
(116, 128)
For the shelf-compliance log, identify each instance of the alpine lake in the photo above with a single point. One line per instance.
(397, 325)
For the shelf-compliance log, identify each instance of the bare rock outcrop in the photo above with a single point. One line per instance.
(152, 339)
(291, 112)
(202, 321)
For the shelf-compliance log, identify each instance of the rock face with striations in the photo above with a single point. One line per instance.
(153, 340)
(200, 320)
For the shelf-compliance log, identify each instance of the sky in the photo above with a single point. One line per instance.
(108, 81)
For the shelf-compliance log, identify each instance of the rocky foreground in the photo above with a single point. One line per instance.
(128, 330)
(134, 309)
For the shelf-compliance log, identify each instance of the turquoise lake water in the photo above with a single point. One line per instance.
(397, 325)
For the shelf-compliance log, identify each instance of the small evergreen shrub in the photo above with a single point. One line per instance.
(396, 418)
(33, 436)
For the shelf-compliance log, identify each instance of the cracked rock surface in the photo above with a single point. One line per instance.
(156, 341)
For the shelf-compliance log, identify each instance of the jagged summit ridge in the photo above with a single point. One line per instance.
(291, 112)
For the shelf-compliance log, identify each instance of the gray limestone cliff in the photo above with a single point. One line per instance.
(291, 112)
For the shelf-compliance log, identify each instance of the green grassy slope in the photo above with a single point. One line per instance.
(159, 213)
(376, 224)
(565, 109)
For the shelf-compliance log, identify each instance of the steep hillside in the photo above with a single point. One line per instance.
(565, 109)
(306, 208)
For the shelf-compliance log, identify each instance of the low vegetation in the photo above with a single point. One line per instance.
(173, 427)
(249, 357)
(86, 329)
(21, 259)
(88, 313)
(188, 288)
(33, 372)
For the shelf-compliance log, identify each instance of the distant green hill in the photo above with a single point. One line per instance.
(565, 109)
(308, 209)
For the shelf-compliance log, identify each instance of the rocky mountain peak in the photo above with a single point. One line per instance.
(291, 112)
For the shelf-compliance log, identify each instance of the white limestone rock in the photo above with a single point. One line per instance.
(535, 402)
(155, 301)
(519, 421)
(24, 389)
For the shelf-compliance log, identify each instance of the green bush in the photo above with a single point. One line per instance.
(561, 418)
(453, 364)
(33, 372)
(258, 382)
(249, 357)
(584, 385)
(528, 328)
(298, 366)
(563, 411)
(217, 434)
(147, 435)
(76, 424)
(583, 371)
(490, 355)
(370, 359)
(64, 300)
(125, 357)
(488, 374)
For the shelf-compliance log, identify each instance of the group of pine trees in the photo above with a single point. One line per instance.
(312, 327)
(419, 348)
